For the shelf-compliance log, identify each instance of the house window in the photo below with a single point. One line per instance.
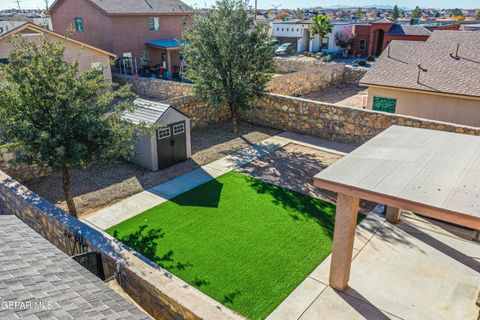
(325, 41)
(278, 29)
(363, 44)
(287, 29)
(164, 133)
(79, 24)
(384, 104)
(144, 58)
(178, 129)
(185, 22)
(153, 24)
(282, 29)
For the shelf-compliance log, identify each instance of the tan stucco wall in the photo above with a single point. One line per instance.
(431, 106)
(73, 52)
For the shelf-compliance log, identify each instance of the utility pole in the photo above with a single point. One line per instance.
(18, 4)
(46, 7)
(276, 8)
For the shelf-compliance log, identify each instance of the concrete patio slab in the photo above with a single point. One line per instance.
(412, 270)
(179, 185)
(336, 305)
(126, 209)
(302, 297)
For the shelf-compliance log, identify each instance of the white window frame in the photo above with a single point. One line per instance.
(153, 24)
(163, 133)
(185, 22)
(182, 130)
(364, 41)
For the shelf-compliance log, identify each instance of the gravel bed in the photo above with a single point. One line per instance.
(98, 186)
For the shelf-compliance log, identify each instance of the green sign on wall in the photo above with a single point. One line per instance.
(384, 104)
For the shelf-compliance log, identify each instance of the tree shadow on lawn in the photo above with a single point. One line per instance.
(146, 242)
(207, 196)
(300, 206)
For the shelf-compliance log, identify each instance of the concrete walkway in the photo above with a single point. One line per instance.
(131, 206)
(417, 269)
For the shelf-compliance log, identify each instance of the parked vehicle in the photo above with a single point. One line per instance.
(285, 49)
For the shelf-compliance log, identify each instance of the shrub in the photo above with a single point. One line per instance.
(371, 58)
(362, 63)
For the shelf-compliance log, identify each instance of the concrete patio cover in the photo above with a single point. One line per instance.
(433, 173)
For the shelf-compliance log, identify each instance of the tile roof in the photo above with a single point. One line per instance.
(442, 73)
(34, 270)
(414, 30)
(142, 6)
(146, 112)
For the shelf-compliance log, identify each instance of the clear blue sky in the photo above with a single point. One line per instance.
(4, 4)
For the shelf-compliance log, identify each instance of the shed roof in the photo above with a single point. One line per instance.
(147, 112)
(9, 25)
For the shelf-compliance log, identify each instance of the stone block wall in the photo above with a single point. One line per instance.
(154, 88)
(200, 113)
(21, 172)
(314, 79)
(160, 293)
(329, 121)
(288, 65)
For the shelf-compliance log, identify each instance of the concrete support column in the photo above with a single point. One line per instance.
(393, 215)
(169, 64)
(343, 237)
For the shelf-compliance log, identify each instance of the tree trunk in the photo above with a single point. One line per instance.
(67, 192)
(233, 112)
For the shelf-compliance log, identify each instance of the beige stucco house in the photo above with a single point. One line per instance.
(438, 79)
(88, 57)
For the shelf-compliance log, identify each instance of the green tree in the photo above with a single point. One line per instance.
(395, 13)
(58, 117)
(457, 12)
(229, 58)
(416, 13)
(320, 25)
(359, 13)
(298, 15)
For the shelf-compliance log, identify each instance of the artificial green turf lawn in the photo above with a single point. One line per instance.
(244, 242)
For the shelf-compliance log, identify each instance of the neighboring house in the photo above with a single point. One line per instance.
(296, 32)
(438, 79)
(140, 33)
(88, 57)
(372, 38)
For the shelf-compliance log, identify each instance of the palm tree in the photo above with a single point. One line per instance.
(320, 25)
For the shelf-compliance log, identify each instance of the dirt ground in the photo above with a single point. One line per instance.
(347, 95)
(101, 185)
(293, 167)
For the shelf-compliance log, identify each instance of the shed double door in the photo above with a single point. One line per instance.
(171, 144)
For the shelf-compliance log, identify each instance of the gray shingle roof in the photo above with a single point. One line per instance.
(34, 270)
(142, 6)
(146, 112)
(444, 73)
(7, 26)
(414, 30)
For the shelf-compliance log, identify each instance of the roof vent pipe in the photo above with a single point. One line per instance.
(420, 69)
